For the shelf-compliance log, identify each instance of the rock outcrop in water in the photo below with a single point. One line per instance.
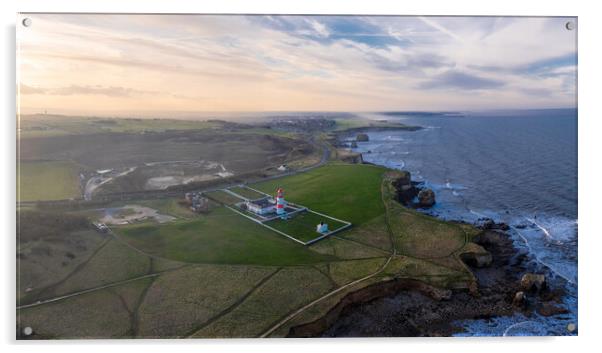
(520, 300)
(362, 138)
(488, 224)
(411, 193)
(531, 282)
(406, 190)
(426, 198)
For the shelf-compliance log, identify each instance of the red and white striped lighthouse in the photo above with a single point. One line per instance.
(280, 202)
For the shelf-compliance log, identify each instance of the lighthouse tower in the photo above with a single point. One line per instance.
(280, 203)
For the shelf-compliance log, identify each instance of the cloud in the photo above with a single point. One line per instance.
(415, 63)
(252, 62)
(319, 28)
(26, 89)
(461, 80)
(331, 29)
(442, 29)
(542, 67)
(112, 91)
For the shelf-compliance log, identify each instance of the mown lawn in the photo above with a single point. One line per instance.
(248, 193)
(346, 191)
(223, 197)
(48, 180)
(222, 237)
(303, 225)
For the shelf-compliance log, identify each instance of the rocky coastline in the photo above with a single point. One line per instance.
(409, 308)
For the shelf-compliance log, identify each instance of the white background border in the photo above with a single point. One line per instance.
(589, 171)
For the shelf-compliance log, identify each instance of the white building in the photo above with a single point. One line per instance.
(261, 206)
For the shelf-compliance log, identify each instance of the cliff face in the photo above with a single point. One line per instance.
(349, 156)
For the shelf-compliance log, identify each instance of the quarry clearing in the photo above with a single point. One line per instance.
(133, 214)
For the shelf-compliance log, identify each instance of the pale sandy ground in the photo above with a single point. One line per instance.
(140, 213)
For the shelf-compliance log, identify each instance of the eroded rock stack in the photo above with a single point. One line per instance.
(426, 198)
(412, 194)
(362, 138)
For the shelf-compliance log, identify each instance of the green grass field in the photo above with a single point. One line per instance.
(223, 275)
(346, 191)
(246, 192)
(357, 122)
(222, 237)
(57, 125)
(180, 301)
(421, 236)
(223, 197)
(303, 225)
(48, 180)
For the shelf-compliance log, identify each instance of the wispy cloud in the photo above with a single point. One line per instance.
(461, 80)
(112, 91)
(442, 29)
(296, 62)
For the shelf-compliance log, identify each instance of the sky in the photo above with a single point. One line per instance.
(153, 65)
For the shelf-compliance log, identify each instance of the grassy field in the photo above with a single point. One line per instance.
(286, 290)
(179, 302)
(344, 191)
(57, 125)
(223, 197)
(222, 237)
(303, 225)
(421, 236)
(248, 193)
(97, 314)
(358, 122)
(113, 263)
(239, 153)
(47, 180)
(222, 275)
(50, 246)
(346, 249)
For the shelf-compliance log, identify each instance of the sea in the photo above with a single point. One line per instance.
(517, 167)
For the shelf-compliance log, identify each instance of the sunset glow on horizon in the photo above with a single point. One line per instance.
(147, 65)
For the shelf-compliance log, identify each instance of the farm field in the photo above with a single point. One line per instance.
(47, 180)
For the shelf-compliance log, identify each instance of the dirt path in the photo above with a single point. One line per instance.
(234, 305)
(50, 289)
(75, 294)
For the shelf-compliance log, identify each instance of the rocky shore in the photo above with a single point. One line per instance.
(402, 308)
(409, 308)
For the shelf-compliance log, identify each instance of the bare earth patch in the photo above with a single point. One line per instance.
(133, 213)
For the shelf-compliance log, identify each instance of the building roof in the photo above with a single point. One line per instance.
(262, 202)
